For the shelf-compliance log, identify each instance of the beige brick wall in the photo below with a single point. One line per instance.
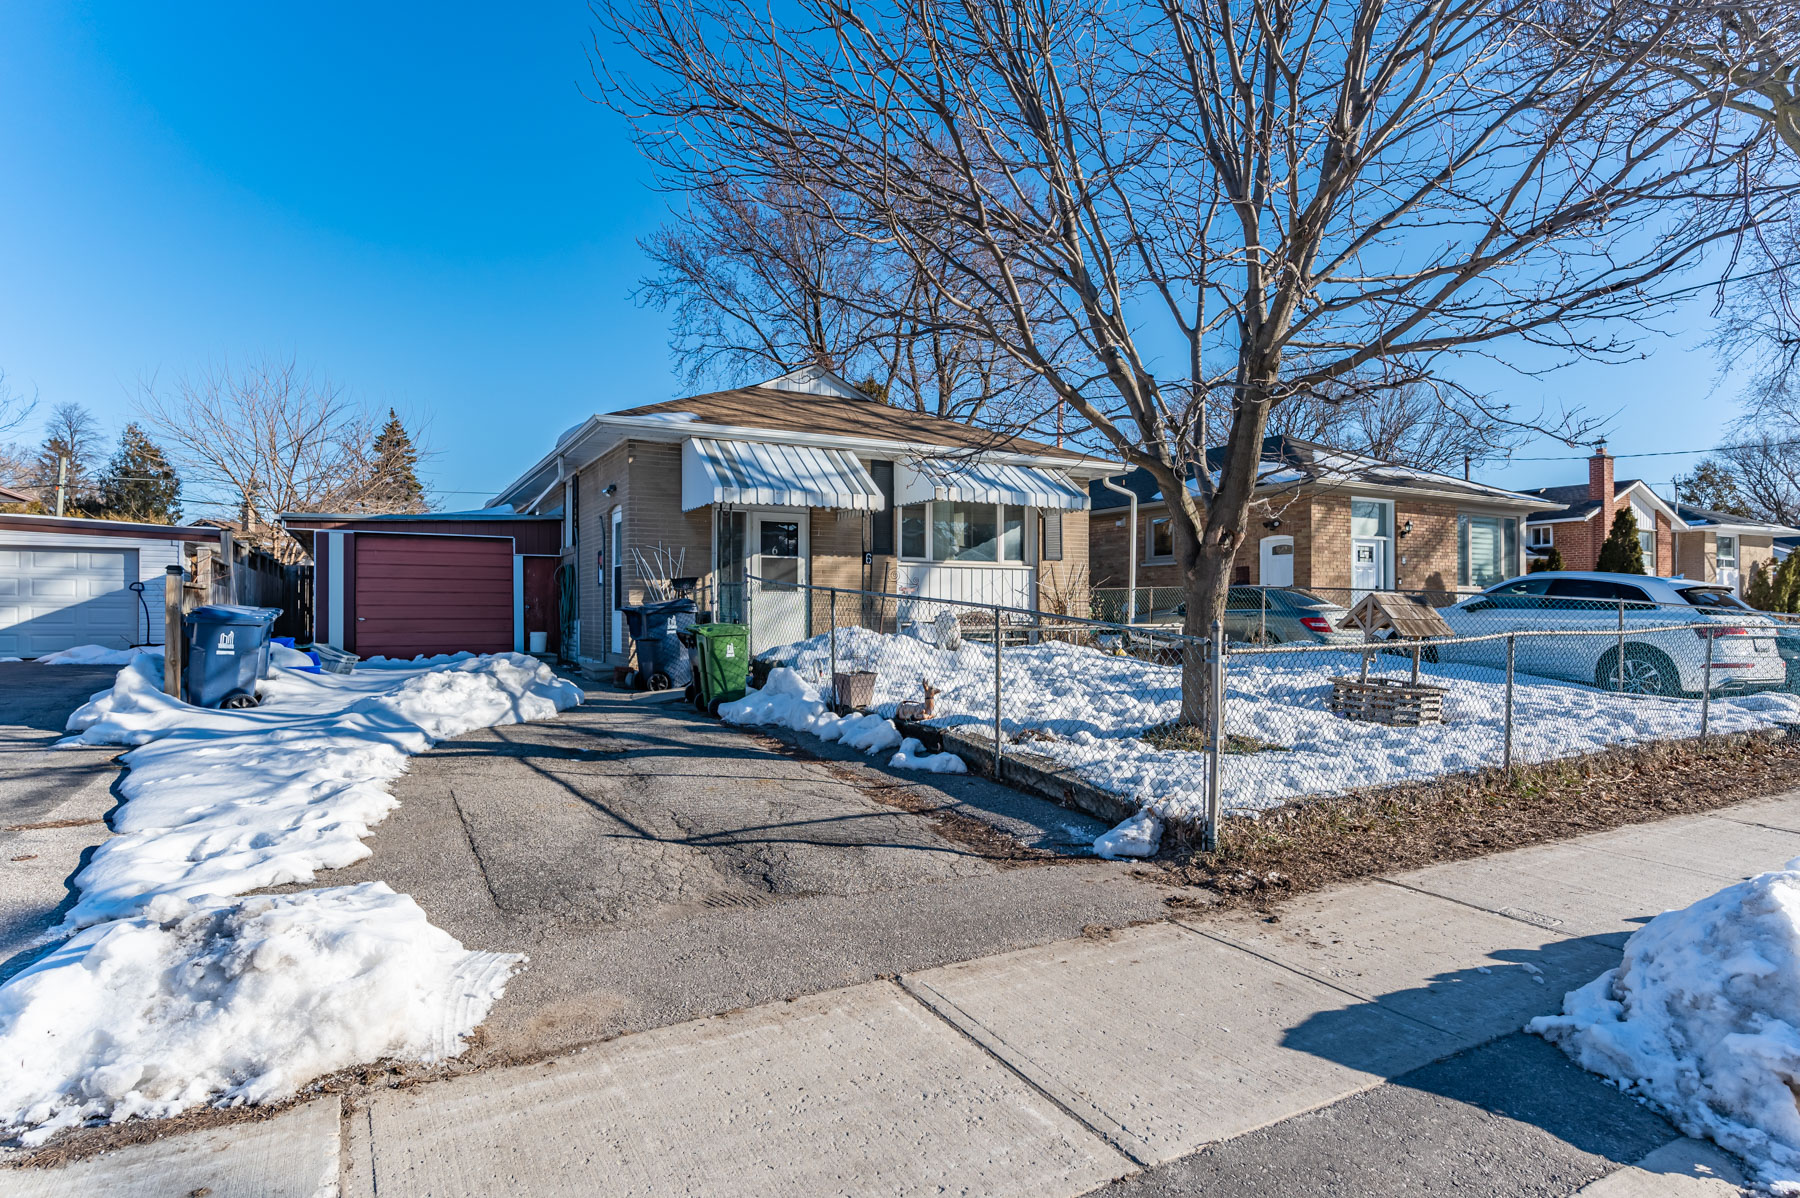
(595, 513)
(654, 516)
(1425, 558)
(1065, 585)
(1753, 551)
(836, 544)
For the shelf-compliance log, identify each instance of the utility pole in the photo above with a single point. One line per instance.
(62, 481)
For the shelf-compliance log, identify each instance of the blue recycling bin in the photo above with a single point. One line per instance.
(227, 651)
(662, 660)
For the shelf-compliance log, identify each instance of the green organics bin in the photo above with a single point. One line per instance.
(721, 658)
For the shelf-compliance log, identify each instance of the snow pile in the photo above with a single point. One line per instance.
(912, 756)
(225, 802)
(244, 1001)
(177, 991)
(789, 701)
(98, 655)
(1092, 706)
(292, 659)
(1702, 1018)
(1139, 836)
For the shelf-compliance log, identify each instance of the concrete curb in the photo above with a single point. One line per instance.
(1037, 775)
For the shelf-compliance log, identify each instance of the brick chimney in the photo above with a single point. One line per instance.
(1600, 487)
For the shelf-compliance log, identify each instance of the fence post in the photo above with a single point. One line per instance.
(1621, 669)
(1507, 754)
(1215, 741)
(832, 591)
(999, 745)
(172, 631)
(1706, 688)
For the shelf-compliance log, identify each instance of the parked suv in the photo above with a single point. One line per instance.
(1657, 661)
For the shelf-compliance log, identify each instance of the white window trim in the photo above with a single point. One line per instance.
(1024, 563)
(1531, 536)
(1150, 554)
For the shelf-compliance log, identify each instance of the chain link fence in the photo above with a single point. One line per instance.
(1335, 712)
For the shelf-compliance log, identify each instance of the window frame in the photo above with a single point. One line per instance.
(1000, 546)
(1532, 533)
(1150, 528)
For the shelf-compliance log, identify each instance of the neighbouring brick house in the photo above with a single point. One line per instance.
(1329, 521)
(1583, 516)
(1724, 547)
(804, 478)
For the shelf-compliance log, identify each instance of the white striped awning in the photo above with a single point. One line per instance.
(972, 480)
(761, 474)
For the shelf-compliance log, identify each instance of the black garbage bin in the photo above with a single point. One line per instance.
(655, 627)
(227, 651)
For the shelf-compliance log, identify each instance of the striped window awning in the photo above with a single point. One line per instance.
(972, 480)
(763, 474)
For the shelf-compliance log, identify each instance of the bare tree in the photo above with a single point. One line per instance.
(1294, 192)
(1746, 55)
(269, 438)
(763, 282)
(1423, 423)
(68, 458)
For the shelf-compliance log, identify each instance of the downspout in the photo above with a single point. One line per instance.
(1131, 548)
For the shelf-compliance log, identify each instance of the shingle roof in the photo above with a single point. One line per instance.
(1574, 501)
(1290, 462)
(807, 412)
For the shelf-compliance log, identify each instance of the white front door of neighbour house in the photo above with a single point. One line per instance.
(1276, 564)
(1371, 532)
(779, 608)
(1727, 563)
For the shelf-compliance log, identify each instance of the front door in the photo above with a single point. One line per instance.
(778, 607)
(1366, 566)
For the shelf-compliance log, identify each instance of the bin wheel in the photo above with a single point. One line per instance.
(691, 694)
(658, 682)
(238, 700)
(712, 709)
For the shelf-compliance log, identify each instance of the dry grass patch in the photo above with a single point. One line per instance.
(1313, 843)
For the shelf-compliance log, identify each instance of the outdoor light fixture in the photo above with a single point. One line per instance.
(609, 488)
(1406, 528)
(1272, 525)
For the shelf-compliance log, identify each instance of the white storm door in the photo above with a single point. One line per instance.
(777, 568)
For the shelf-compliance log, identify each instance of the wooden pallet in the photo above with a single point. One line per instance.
(1387, 701)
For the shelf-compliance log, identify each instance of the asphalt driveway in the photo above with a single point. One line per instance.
(53, 803)
(659, 866)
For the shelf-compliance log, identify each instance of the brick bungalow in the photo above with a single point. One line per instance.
(1583, 515)
(804, 478)
(1723, 547)
(1331, 522)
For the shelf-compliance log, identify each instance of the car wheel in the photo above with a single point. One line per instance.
(1647, 672)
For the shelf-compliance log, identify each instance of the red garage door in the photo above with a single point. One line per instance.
(432, 595)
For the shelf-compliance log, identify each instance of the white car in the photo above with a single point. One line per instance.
(1657, 661)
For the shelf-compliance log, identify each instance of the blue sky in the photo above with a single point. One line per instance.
(424, 206)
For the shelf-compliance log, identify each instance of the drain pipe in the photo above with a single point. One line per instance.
(1131, 546)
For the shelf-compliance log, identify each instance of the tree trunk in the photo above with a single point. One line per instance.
(1207, 537)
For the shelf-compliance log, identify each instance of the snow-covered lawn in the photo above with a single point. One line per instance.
(172, 990)
(1086, 708)
(1702, 1018)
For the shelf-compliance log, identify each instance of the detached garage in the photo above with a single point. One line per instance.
(399, 586)
(67, 581)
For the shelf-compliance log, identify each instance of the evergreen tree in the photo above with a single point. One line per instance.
(1554, 560)
(395, 485)
(1622, 553)
(139, 484)
(1759, 592)
(1786, 587)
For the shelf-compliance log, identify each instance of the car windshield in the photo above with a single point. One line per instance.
(1713, 597)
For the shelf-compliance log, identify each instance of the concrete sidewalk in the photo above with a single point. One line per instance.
(1365, 1040)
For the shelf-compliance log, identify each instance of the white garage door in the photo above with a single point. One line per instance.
(54, 599)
